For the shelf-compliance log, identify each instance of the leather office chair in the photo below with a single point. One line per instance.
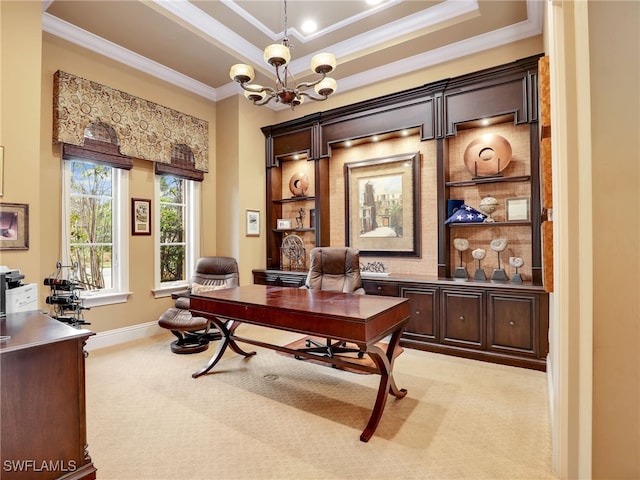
(194, 333)
(334, 269)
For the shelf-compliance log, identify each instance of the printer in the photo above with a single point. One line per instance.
(14, 295)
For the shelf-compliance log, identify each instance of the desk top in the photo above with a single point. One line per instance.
(29, 329)
(359, 318)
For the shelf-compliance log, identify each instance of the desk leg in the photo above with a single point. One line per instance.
(384, 362)
(226, 329)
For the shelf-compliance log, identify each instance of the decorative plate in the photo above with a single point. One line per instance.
(487, 155)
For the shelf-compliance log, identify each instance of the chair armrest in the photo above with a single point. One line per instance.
(181, 293)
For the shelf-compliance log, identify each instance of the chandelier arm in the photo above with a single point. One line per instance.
(265, 100)
(253, 89)
(311, 84)
(317, 99)
(280, 82)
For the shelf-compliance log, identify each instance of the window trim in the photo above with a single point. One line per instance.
(119, 293)
(192, 192)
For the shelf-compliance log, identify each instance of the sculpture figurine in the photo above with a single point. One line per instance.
(461, 244)
(516, 262)
(499, 245)
(479, 254)
(300, 218)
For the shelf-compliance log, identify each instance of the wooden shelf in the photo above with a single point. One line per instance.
(480, 181)
(282, 230)
(293, 199)
(490, 224)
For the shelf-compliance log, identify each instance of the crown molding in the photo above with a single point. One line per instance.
(530, 27)
(78, 36)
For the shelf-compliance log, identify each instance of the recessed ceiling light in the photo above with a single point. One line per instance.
(309, 26)
(375, 138)
(347, 143)
(485, 122)
(405, 133)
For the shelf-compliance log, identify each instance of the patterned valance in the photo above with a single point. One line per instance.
(145, 129)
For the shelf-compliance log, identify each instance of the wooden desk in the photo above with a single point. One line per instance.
(360, 319)
(43, 399)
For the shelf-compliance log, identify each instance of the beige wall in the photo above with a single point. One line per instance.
(241, 181)
(615, 139)
(595, 65)
(20, 126)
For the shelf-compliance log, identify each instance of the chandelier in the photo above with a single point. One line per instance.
(286, 91)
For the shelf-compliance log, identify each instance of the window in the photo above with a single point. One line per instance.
(94, 235)
(177, 231)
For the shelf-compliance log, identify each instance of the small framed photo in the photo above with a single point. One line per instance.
(283, 224)
(14, 226)
(253, 223)
(140, 216)
(517, 209)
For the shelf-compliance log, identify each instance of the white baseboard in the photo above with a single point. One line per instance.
(123, 335)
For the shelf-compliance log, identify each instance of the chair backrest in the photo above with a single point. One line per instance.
(336, 269)
(216, 271)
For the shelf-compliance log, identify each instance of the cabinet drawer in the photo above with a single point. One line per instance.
(462, 319)
(423, 305)
(511, 323)
(373, 287)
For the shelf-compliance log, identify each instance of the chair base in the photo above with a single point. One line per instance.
(190, 342)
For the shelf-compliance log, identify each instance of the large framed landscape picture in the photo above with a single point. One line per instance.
(383, 199)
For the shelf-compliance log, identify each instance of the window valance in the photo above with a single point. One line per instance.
(145, 129)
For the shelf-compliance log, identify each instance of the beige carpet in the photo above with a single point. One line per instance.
(273, 417)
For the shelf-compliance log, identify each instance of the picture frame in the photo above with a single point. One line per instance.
(140, 216)
(14, 226)
(382, 198)
(517, 209)
(283, 224)
(253, 223)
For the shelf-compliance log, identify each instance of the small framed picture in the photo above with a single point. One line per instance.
(253, 223)
(14, 226)
(283, 224)
(517, 209)
(140, 216)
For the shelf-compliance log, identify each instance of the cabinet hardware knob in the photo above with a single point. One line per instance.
(417, 312)
(379, 287)
(461, 317)
(512, 323)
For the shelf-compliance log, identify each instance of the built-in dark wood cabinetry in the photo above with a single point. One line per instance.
(503, 322)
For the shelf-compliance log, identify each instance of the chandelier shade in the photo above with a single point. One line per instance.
(286, 90)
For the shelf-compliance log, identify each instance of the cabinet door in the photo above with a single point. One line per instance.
(511, 322)
(423, 305)
(463, 319)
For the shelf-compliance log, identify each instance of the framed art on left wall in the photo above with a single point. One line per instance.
(14, 226)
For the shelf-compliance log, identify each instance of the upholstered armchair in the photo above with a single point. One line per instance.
(334, 269)
(194, 333)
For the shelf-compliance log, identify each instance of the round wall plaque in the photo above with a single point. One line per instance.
(299, 184)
